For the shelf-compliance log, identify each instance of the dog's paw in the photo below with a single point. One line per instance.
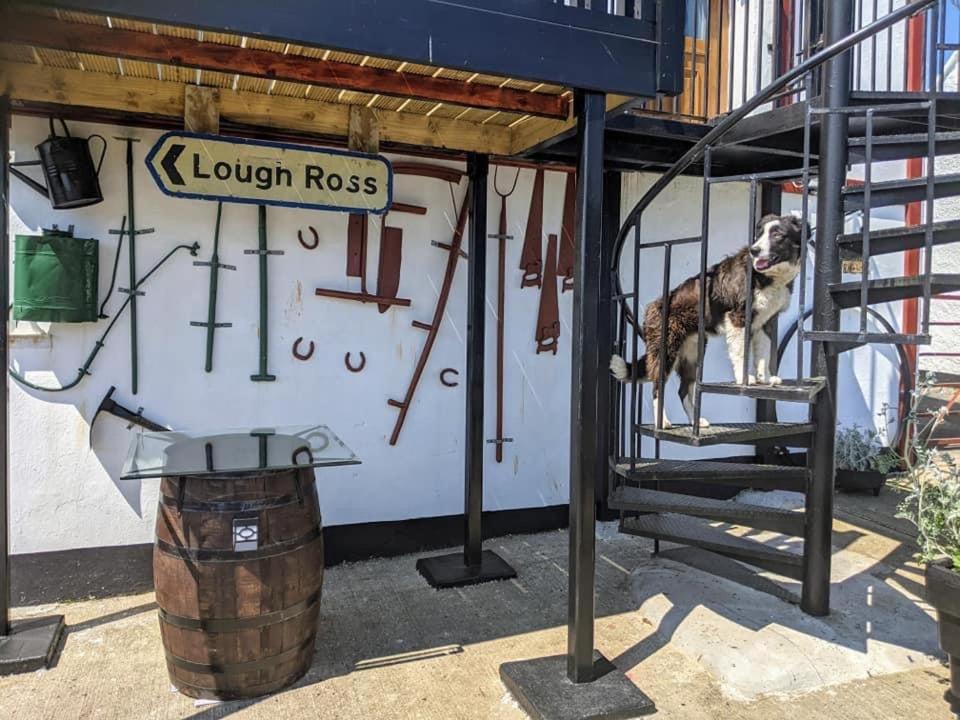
(666, 425)
(704, 423)
(774, 381)
(619, 369)
(751, 379)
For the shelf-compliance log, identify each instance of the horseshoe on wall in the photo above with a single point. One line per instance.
(316, 238)
(357, 368)
(449, 371)
(302, 355)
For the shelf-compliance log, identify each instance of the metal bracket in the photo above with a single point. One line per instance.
(127, 291)
(219, 265)
(197, 323)
(264, 252)
(448, 247)
(126, 231)
(500, 441)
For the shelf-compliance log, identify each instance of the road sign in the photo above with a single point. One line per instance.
(213, 167)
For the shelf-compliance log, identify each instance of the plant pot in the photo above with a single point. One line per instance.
(943, 592)
(860, 480)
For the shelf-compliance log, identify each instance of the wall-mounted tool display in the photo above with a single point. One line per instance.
(300, 354)
(112, 407)
(262, 252)
(309, 244)
(501, 236)
(446, 381)
(357, 227)
(433, 328)
(531, 260)
(215, 266)
(55, 277)
(131, 233)
(548, 317)
(568, 249)
(359, 366)
(72, 179)
(99, 344)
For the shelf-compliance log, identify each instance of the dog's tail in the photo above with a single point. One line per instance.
(627, 372)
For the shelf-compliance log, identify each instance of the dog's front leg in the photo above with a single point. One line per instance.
(761, 353)
(736, 347)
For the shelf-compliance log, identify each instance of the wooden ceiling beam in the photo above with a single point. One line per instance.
(41, 84)
(45, 32)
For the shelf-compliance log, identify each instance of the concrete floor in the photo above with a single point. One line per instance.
(701, 646)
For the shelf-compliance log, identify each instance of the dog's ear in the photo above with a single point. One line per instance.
(794, 226)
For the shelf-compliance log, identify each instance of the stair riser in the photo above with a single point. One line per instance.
(900, 196)
(905, 151)
(787, 526)
(890, 245)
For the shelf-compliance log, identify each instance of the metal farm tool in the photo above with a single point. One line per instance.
(215, 265)
(531, 259)
(131, 232)
(502, 236)
(548, 317)
(262, 252)
(112, 407)
(568, 248)
(433, 328)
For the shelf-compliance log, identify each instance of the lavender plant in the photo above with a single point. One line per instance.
(860, 449)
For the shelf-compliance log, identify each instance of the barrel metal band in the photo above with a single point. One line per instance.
(230, 555)
(231, 506)
(244, 667)
(245, 623)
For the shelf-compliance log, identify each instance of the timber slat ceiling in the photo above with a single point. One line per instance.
(92, 63)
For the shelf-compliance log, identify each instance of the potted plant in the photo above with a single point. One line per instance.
(863, 461)
(933, 505)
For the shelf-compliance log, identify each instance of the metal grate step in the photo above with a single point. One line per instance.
(790, 434)
(631, 499)
(894, 240)
(900, 192)
(688, 531)
(851, 340)
(881, 290)
(761, 477)
(802, 391)
(904, 146)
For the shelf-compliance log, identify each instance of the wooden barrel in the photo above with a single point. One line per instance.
(238, 569)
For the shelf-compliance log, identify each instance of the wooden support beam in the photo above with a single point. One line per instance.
(535, 131)
(201, 109)
(40, 84)
(45, 32)
(363, 133)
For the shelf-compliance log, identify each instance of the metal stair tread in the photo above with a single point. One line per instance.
(900, 192)
(881, 290)
(892, 240)
(798, 434)
(754, 475)
(803, 391)
(689, 531)
(902, 146)
(632, 499)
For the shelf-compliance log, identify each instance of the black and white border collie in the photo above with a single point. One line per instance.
(775, 254)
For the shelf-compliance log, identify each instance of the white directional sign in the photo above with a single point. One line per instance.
(212, 167)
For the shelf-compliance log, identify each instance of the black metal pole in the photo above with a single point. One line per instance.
(4, 363)
(583, 411)
(478, 170)
(606, 332)
(815, 600)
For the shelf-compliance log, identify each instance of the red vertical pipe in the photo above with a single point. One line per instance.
(916, 32)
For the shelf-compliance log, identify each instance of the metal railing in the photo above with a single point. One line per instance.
(733, 48)
(627, 401)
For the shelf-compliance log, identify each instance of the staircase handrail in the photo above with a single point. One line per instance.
(720, 129)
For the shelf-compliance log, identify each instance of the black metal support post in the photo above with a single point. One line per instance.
(771, 202)
(474, 565)
(606, 332)
(815, 600)
(582, 683)
(25, 645)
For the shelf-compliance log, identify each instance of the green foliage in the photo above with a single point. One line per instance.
(860, 449)
(933, 504)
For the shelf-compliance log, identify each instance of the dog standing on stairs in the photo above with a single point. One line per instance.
(775, 254)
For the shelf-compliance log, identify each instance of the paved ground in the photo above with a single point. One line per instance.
(702, 647)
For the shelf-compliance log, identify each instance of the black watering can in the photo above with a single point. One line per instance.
(72, 180)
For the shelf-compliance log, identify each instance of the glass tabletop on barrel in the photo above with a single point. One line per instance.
(235, 451)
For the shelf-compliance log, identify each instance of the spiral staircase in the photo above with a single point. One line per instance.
(828, 125)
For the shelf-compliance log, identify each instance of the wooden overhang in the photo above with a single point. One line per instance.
(129, 61)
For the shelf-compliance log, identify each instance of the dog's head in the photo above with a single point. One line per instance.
(776, 246)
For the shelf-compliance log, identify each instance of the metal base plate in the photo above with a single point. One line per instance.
(31, 645)
(449, 571)
(543, 690)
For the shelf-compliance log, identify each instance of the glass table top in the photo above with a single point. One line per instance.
(241, 450)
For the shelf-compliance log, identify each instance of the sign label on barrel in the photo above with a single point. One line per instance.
(213, 167)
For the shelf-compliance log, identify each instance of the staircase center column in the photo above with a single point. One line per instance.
(838, 16)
